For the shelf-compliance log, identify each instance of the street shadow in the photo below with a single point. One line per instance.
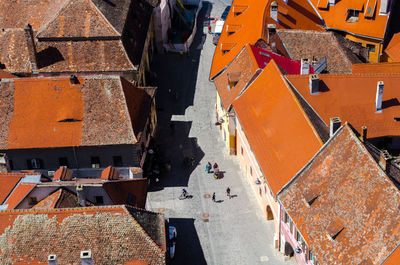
(176, 81)
(219, 201)
(187, 248)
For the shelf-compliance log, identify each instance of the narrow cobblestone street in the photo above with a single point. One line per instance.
(229, 231)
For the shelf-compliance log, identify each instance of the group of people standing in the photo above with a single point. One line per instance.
(216, 176)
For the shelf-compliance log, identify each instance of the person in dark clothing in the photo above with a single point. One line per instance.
(213, 197)
(228, 192)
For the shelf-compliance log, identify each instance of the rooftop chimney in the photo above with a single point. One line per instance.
(274, 11)
(313, 83)
(52, 259)
(378, 99)
(271, 31)
(80, 191)
(73, 80)
(385, 157)
(363, 133)
(86, 257)
(331, 2)
(305, 66)
(334, 126)
(30, 41)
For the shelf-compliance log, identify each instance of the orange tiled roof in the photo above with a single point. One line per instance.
(253, 22)
(61, 198)
(18, 194)
(394, 258)
(244, 63)
(376, 68)
(335, 17)
(129, 191)
(277, 129)
(250, 20)
(343, 187)
(352, 98)
(393, 48)
(136, 233)
(52, 112)
(7, 183)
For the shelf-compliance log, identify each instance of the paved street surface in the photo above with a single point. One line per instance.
(229, 231)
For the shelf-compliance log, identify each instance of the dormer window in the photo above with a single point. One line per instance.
(232, 29)
(274, 11)
(233, 79)
(238, 10)
(310, 197)
(226, 47)
(334, 229)
(352, 15)
(69, 120)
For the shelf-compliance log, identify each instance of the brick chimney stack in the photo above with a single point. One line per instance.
(30, 41)
(363, 133)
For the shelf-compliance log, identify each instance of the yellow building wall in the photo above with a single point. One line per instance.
(374, 57)
(224, 127)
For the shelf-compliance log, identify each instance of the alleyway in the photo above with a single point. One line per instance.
(225, 232)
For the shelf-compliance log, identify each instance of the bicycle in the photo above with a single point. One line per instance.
(185, 196)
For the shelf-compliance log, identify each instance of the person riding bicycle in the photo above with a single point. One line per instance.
(184, 193)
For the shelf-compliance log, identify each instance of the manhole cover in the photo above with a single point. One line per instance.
(161, 210)
(205, 220)
(207, 196)
(206, 215)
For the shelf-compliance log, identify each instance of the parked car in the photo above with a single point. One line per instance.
(173, 234)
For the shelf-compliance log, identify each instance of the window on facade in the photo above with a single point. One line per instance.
(117, 161)
(63, 161)
(299, 238)
(32, 200)
(352, 15)
(95, 161)
(99, 200)
(287, 218)
(34, 163)
(371, 47)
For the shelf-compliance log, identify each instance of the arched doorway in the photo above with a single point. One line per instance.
(288, 250)
(270, 215)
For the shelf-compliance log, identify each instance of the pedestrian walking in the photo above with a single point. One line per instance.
(213, 197)
(216, 169)
(228, 192)
(208, 167)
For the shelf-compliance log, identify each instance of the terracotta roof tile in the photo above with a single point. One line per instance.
(4, 74)
(97, 111)
(301, 44)
(61, 198)
(18, 194)
(254, 21)
(78, 18)
(355, 197)
(335, 17)
(394, 258)
(132, 191)
(393, 48)
(376, 68)
(113, 235)
(352, 98)
(280, 135)
(8, 181)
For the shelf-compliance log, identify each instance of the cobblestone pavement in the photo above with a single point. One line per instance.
(229, 231)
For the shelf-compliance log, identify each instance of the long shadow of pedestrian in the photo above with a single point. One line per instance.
(219, 201)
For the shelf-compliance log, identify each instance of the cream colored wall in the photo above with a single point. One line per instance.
(247, 160)
(222, 114)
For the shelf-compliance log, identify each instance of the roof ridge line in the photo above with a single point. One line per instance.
(35, 211)
(125, 207)
(127, 113)
(54, 18)
(299, 106)
(104, 17)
